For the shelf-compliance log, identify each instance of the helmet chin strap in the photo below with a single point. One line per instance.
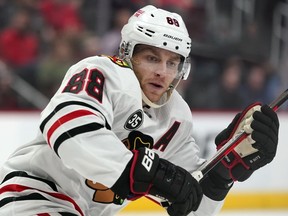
(165, 98)
(150, 103)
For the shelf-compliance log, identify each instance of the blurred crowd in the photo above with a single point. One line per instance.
(40, 40)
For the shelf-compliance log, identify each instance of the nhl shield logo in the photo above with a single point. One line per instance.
(134, 121)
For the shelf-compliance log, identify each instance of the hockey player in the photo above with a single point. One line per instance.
(117, 130)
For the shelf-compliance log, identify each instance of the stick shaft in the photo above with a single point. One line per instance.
(232, 143)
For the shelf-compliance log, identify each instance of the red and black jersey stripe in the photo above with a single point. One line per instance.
(75, 131)
(60, 213)
(35, 194)
(69, 103)
(93, 126)
(25, 175)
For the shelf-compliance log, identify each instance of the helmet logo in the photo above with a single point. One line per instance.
(172, 37)
(138, 13)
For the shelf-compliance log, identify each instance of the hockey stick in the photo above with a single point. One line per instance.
(225, 150)
(232, 143)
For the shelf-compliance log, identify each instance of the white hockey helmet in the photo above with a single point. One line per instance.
(159, 28)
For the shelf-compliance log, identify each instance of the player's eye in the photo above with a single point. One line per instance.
(172, 64)
(152, 58)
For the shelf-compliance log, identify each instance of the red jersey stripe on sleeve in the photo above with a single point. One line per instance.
(66, 118)
(20, 188)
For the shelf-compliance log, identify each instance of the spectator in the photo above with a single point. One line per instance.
(205, 73)
(8, 98)
(88, 13)
(91, 45)
(112, 38)
(54, 64)
(226, 94)
(19, 45)
(255, 85)
(61, 16)
(6, 8)
(273, 86)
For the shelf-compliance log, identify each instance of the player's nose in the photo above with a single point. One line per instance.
(161, 69)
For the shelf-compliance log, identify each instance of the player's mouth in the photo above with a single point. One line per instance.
(156, 86)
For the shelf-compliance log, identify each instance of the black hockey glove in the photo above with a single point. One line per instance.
(254, 152)
(152, 175)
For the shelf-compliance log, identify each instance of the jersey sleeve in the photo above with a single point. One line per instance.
(78, 121)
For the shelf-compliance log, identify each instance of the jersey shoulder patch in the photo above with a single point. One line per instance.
(134, 121)
(118, 61)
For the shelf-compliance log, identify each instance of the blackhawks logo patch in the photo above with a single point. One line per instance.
(119, 61)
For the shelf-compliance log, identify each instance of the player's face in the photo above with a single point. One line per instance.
(155, 69)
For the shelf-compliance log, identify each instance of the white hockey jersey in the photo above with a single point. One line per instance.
(85, 136)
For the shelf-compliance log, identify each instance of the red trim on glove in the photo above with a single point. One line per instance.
(237, 159)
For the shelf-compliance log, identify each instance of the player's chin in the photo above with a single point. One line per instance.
(154, 96)
(153, 93)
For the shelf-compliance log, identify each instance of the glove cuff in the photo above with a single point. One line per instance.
(215, 186)
(136, 179)
(143, 169)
